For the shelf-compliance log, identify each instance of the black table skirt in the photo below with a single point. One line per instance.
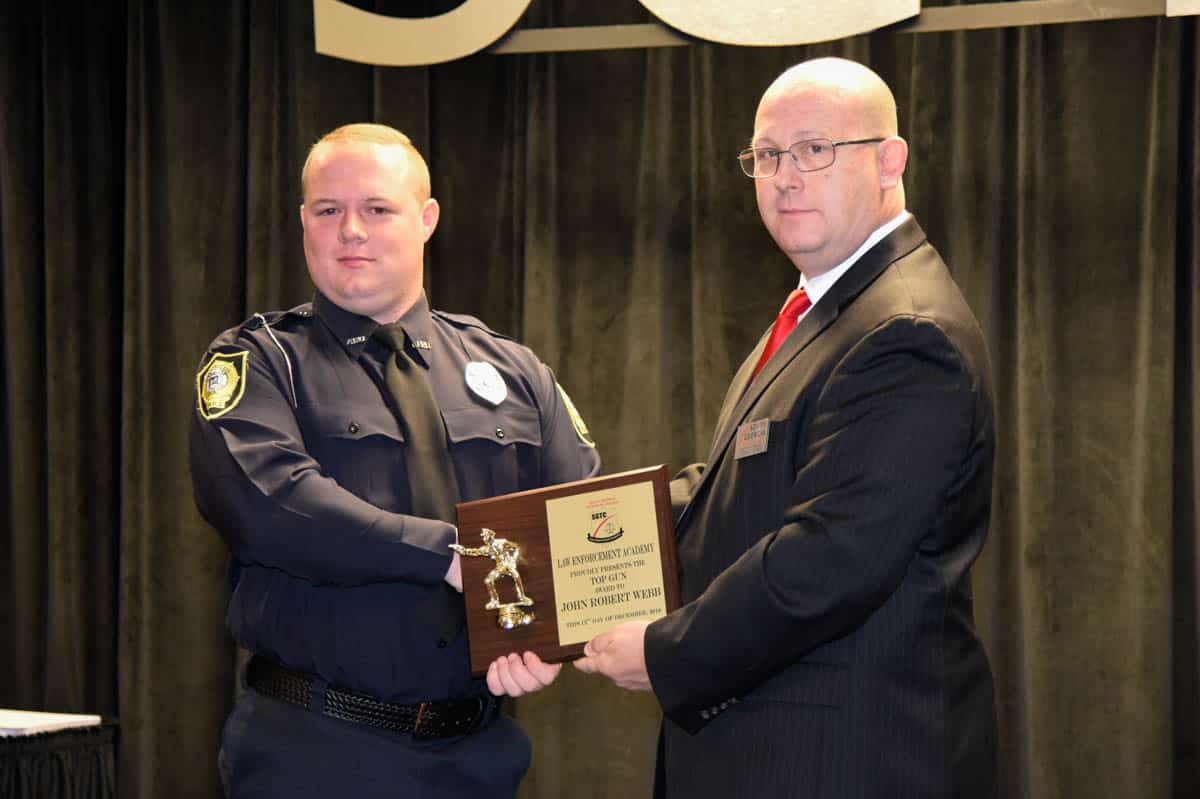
(77, 763)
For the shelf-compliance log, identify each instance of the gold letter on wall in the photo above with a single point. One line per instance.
(779, 22)
(346, 32)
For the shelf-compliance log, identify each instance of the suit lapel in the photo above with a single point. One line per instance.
(744, 392)
(735, 391)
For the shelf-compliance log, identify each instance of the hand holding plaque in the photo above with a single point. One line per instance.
(591, 555)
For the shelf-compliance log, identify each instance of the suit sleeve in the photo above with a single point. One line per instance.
(256, 483)
(890, 431)
(683, 487)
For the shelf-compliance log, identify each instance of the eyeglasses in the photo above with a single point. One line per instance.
(809, 155)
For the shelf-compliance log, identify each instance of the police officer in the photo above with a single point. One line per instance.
(343, 586)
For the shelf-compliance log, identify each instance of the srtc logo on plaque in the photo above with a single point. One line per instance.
(606, 528)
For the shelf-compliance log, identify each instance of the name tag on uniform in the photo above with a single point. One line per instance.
(751, 438)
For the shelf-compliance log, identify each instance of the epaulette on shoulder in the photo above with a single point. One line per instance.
(465, 320)
(276, 318)
(282, 320)
(230, 349)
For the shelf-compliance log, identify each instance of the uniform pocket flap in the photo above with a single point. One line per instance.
(502, 425)
(354, 421)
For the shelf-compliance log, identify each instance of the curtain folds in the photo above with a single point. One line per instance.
(150, 155)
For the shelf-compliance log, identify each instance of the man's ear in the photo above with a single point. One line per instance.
(893, 156)
(430, 213)
(302, 221)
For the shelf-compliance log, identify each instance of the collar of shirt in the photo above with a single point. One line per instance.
(418, 324)
(822, 283)
(353, 331)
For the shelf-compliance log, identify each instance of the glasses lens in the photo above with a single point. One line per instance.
(759, 163)
(813, 154)
(766, 162)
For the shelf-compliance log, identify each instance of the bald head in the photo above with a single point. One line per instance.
(857, 90)
(381, 135)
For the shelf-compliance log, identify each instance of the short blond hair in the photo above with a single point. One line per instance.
(372, 133)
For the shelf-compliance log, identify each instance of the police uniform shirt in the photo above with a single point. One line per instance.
(297, 460)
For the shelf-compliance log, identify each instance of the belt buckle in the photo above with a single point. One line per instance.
(416, 731)
(437, 730)
(477, 722)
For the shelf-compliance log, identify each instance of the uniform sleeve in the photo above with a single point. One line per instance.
(884, 448)
(568, 451)
(256, 483)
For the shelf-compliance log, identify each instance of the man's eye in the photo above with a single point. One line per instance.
(815, 148)
(379, 210)
(767, 154)
(326, 211)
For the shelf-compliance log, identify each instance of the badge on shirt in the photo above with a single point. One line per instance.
(221, 383)
(581, 428)
(751, 438)
(486, 382)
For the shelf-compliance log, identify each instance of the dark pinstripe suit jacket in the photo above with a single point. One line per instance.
(827, 646)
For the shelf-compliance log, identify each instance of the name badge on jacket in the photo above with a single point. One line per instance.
(751, 438)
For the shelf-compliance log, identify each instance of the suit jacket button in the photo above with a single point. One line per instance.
(353, 428)
(704, 714)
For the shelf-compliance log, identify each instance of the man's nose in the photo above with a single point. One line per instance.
(352, 229)
(788, 175)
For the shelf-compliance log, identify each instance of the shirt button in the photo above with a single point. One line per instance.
(442, 643)
(499, 432)
(353, 428)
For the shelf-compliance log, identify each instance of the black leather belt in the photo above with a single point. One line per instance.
(442, 719)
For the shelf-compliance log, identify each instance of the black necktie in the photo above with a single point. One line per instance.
(431, 478)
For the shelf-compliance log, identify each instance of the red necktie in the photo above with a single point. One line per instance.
(797, 303)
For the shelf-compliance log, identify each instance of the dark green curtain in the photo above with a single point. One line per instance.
(149, 183)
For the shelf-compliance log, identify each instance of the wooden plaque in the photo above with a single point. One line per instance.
(593, 554)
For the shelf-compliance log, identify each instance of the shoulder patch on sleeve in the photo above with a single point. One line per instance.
(220, 383)
(581, 428)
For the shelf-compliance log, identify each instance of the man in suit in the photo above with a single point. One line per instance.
(826, 645)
